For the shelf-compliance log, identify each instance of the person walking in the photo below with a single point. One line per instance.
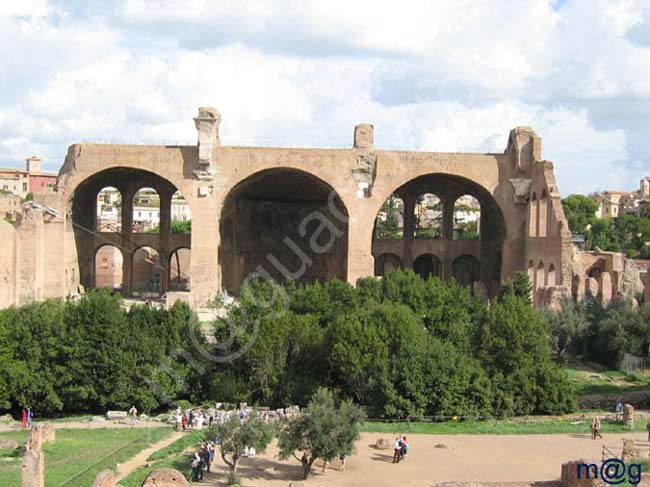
(196, 469)
(29, 417)
(397, 450)
(179, 421)
(133, 413)
(342, 459)
(405, 447)
(24, 419)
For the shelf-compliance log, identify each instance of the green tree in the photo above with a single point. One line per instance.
(234, 436)
(580, 212)
(513, 346)
(568, 326)
(323, 430)
(519, 287)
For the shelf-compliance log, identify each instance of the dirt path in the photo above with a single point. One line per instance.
(522, 459)
(124, 469)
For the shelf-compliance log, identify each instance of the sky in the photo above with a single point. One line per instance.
(444, 75)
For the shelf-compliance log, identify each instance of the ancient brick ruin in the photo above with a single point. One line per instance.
(305, 213)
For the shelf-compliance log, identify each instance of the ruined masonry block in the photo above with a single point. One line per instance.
(364, 136)
(628, 416)
(105, 479)
(165, 477)
(33, 469)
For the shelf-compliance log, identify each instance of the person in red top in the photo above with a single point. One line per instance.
(24, 421)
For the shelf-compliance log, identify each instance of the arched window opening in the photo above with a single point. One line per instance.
(532, 216)
(466, 269)
(181, 215)
(146, 211)
(427, 266)
(467, 218)
(147, 270)
(109, 210)
(539, 279)
(551, 279)
(179, 270)
(389, 223)
(428, 216)
(542, 223)
(386, 263)
(108, 268)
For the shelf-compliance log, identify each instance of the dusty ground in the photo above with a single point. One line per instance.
(486, 458)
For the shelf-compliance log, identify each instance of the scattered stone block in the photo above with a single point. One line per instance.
(630, 451)
(6, 418)
(569, 476)
(383, 444)
(105, 479)
(628, 416)
(33, 469)
(165, 477)
(48, 433)
(112, 415)
(11, 444)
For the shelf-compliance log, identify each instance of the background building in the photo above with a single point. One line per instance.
(30, 180)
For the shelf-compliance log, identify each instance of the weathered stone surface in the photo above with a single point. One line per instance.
(48, 433)
(207, 125)
(605, 288)
(522, 190)
(112, 415)
(165, 477)
(628, 416)
(33, 469)
(591, 286)
(383, 444)
(569, 476)
(364, 136)
(10, 444)
(630, 451)
(364, 174)
(105, 479)
(631, 283)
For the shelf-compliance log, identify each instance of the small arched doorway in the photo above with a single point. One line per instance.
(466, 269)
(427, 265)
(385, 263)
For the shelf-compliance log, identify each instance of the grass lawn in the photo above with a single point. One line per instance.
(78, 455)
(493, 427)
(172, 456)
(590, 378)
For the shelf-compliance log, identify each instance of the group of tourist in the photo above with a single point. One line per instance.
(203, 459)
(26, 421)
(192, 419)
(401, 449)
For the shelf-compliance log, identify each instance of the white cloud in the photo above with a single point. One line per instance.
(449, 75)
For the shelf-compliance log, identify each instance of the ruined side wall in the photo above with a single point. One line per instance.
(8, 274)
(549, 248)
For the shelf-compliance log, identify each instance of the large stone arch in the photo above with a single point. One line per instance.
(283, 223)
(487, 249)
(128, 180)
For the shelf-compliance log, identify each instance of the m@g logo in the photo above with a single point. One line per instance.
(612, 472)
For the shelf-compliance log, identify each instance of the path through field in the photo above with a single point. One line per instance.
(140, 459)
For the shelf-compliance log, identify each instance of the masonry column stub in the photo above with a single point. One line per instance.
(365, 170)
(207, 126)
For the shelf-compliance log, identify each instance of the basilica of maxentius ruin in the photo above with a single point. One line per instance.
(309, 214)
